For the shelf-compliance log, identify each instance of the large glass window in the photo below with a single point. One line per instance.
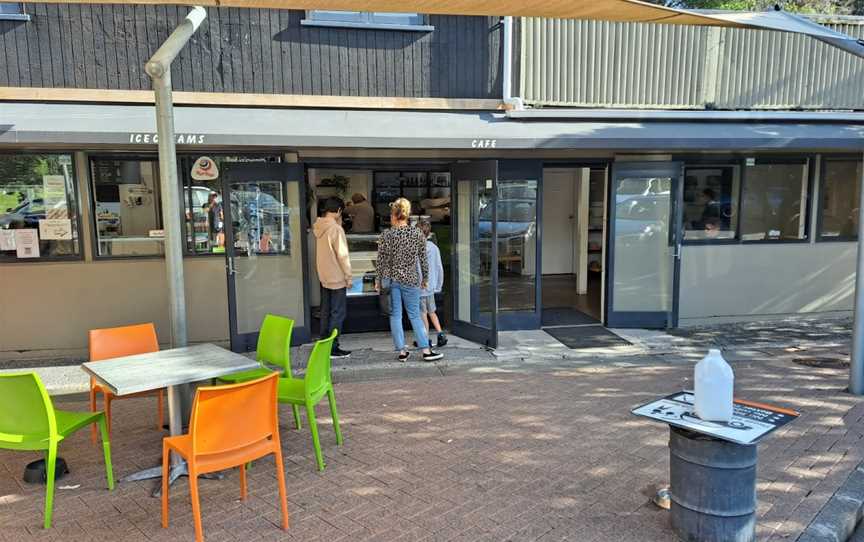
(840, 194)
(126, 206)
(774, 202)
(38, 208)
(711, 202)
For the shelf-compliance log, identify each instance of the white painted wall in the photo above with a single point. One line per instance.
(740, 282)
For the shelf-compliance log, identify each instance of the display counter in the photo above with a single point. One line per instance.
(363, 250)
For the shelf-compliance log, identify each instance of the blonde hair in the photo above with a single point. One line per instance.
(401, 209)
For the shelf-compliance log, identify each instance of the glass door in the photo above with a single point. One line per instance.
(264, 248)
(475, 252)
(645, 244)
(518, 258)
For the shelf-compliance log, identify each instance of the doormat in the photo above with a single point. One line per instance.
(576, 337)
(566, 317)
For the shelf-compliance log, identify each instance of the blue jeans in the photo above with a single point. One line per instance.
(409, 297)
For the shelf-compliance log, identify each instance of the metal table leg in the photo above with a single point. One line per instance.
(178, 465)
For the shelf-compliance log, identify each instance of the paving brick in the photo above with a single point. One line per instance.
(456, 458)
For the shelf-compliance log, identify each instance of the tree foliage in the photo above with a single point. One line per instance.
(827, 7)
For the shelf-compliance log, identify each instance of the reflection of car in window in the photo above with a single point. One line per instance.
(27, 214)
(516, 217)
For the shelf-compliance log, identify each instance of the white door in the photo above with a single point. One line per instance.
(559, 215)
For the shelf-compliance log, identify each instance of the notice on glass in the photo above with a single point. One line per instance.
(7, 240)
(54, 196)
(27, 243)
(55, 228)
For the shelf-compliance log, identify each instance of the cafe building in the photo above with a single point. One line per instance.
(542, 221)
(578, 206)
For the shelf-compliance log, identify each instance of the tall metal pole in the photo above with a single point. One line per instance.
(159, 70)
(856, 367)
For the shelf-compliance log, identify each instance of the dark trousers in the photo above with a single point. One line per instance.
(333, 311)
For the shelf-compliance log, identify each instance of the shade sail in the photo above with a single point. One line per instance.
(782, 21)
(598, 10)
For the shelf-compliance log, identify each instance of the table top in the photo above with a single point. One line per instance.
(155, 370)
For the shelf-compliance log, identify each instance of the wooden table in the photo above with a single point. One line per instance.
(167, 369)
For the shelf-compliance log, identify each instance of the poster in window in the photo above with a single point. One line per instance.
(7, 240)
(55, 229)
(54, 196)
(27, 243)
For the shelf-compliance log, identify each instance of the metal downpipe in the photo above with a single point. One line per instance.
(159, 70)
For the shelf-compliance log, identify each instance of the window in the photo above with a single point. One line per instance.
(711, 202)
(840, 194)
(38, 210)
(13, 11)
(126, 206)
(202, 198)
(363, 19)
(774, 202)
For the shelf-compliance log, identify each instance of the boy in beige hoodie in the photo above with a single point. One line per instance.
(334, 270)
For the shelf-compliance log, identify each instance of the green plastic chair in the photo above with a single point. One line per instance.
(274, 348)
(29, 422)
(309, 391)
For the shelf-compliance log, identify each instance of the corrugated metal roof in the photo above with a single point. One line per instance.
(636, 65)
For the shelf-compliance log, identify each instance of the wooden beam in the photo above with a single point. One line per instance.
(30, 94)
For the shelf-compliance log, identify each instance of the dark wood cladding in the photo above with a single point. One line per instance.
(250, 51)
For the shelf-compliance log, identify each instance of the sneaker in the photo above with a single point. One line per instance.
(403, 356)
(432, 356)
(442, 340)
(339, 353)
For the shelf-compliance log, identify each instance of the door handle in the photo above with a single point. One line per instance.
(677, 253)
(230, 266)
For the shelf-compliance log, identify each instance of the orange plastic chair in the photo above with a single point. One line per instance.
(115, 342)
(231, 426)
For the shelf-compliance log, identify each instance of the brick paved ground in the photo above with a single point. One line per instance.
(552, 454)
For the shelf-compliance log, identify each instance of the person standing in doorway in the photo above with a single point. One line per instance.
(403, 266)
(434, 286)
(362, 214)
(334, 270)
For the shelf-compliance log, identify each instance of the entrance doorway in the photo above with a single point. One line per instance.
(262, 216)
(574, 222)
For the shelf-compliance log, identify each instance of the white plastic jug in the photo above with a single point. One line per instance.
(714, 387)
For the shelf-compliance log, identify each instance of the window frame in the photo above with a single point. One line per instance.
(740, 160)
(708, 162)
(823, 162)
(22, 14)
(94, 227)
(181, 178)
(807, 160)
(365, 20)
(79, 227)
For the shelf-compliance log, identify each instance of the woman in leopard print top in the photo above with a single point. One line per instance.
(399, 250)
